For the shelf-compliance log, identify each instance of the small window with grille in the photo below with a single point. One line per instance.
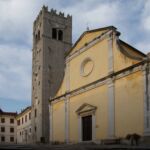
(12, 139)
(12, 130)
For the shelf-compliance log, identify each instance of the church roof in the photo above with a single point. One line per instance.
(1, 110)
(133, 48)
(8, 113)
(89, 31)
(25, 110)
(121, 43)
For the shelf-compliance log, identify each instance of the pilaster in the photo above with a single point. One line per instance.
(67, 119)
(51, 121)
(110, 53)
(146, 80)
(111, 108)
(68, 76)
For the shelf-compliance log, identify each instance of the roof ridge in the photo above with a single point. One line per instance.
(89, 31)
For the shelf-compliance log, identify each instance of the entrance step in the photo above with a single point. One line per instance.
(111, 141)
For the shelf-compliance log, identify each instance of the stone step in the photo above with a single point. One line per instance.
(111, 141)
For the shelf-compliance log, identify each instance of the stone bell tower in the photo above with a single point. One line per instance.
(52, 36)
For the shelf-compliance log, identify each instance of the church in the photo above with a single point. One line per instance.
(94, 90)
(105, 90)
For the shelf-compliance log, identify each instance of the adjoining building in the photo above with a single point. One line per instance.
(8, 127)
(24, 126)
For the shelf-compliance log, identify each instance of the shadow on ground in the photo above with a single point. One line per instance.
(74, 147)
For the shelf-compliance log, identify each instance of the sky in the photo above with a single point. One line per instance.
(131, 17)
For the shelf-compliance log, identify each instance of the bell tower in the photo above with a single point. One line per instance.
(52, 37)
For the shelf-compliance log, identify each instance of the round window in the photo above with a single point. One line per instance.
(86, 67)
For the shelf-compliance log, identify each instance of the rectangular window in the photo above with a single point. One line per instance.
(35, 128)
(2, 120)
(29, 116)
(35, 112)
(22, 120)
(12, 130)
(25, 118)
(11, 120)
(30, 130)
(2, 129)
(2, 139)
(12, 139)
(18, 122)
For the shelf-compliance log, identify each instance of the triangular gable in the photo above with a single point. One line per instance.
(130, 51)
(85, 108)
(88, 36)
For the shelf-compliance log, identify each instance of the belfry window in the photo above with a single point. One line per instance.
(54, 33)
(57, 34)
(60, 35)
(38, 36)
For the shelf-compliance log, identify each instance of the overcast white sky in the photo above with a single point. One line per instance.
(131, 17)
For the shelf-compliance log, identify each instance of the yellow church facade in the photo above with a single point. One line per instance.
(105, 91)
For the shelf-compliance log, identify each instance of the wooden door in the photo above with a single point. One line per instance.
(87, 128)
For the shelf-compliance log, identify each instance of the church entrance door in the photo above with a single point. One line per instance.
(87, 128)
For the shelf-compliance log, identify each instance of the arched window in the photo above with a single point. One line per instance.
(38, 36)
(35, 113)
(54, 33)
(60, 35)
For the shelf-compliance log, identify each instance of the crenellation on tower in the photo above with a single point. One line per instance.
(52, 36)
(45, 8)
(61, 14)
(53, 12)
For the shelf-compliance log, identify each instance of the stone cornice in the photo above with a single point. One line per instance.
(114, 76)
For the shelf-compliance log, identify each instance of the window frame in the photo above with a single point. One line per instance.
(12, 120)
(12, 130)
(2, 129)
(2, 120)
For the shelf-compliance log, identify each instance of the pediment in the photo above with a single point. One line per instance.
(87, 37)
(85, 108)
